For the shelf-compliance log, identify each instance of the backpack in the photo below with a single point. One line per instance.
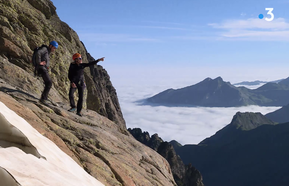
(34, 61)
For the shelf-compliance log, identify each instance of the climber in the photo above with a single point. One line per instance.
(75, 75)
(42, 66)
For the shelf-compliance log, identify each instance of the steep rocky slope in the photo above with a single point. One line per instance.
(99, 141)
(184, 175)
(27, 24)
(105, 151)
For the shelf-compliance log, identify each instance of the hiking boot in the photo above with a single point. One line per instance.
(44, 102)
(72, 109)
(79, 113)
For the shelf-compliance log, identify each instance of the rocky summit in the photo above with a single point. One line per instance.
(99, 141)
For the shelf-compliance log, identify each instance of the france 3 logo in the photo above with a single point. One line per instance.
(270, 13)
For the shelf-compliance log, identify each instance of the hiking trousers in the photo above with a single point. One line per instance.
(47, 82)
(80, 88)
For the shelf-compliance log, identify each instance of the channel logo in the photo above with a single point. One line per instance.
(270, 13)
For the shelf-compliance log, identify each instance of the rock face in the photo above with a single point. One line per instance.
(183, 175)
(102, 95)
(144, 137)
(250, 147)
(26, 24)
(98, 141)
(177, 165)
(217, 93)
(105, 151)
(249, 120)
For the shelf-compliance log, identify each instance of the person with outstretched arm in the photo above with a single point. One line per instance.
(75, 75)
(42, 61)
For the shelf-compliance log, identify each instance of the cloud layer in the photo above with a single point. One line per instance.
(184, 124)
(187, 125)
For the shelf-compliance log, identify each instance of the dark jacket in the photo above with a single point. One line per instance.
(75, 72)
(43, 55)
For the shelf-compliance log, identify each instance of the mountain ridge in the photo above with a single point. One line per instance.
(218, 93)
(254, 153)
(256, 82)
(280, 115)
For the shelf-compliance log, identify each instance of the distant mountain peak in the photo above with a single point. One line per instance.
(208, 79)
(175, 144)
(219, 78)
(219, 93)
(249, 120)
(241, 122)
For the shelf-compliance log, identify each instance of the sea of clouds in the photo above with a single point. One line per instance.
(187, 125)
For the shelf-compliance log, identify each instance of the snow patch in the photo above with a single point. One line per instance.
(58, 169)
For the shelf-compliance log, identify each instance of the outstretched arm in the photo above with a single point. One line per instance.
(93, 62)
(100, 59)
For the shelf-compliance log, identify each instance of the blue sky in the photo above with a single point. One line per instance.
(182, 33)
(153, 45)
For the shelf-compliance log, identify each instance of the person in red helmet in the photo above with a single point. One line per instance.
(75, 75)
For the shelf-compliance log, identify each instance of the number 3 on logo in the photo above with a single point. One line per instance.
(270, 13)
